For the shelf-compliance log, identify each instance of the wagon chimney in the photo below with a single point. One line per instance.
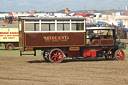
(67, 11)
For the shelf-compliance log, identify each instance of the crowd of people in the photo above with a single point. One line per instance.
(8, 20)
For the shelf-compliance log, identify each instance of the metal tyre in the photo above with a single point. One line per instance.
(56, 56)
(119, 55)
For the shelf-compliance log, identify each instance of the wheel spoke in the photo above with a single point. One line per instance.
(57, 52)
(118, 57)
(54, 59)
(118, 53)
(121, 53)
(58, 55)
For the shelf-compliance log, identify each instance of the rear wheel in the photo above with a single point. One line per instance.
(9, 46)
(56, 55)
(119, 54)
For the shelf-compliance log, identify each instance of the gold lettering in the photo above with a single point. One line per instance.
(46, 38)
(56, 37)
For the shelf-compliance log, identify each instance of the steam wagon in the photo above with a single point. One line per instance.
(59, 38)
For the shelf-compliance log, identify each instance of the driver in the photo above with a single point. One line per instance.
(108, 35)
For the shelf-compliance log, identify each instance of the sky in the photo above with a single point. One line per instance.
(51, 5)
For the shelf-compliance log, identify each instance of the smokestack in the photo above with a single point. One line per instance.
(67, 11)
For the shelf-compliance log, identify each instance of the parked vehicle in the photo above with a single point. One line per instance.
(59, 38)
(10, 37)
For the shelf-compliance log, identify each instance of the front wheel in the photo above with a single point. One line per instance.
(56, 55)
(119, 54)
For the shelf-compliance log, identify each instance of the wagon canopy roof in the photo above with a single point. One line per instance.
(99, 28)
(53, 18)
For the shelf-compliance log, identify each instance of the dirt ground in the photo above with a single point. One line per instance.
(33, 70)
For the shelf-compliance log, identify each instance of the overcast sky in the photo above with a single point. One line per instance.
(48, 5)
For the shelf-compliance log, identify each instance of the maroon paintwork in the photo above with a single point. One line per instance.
(54, 39)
